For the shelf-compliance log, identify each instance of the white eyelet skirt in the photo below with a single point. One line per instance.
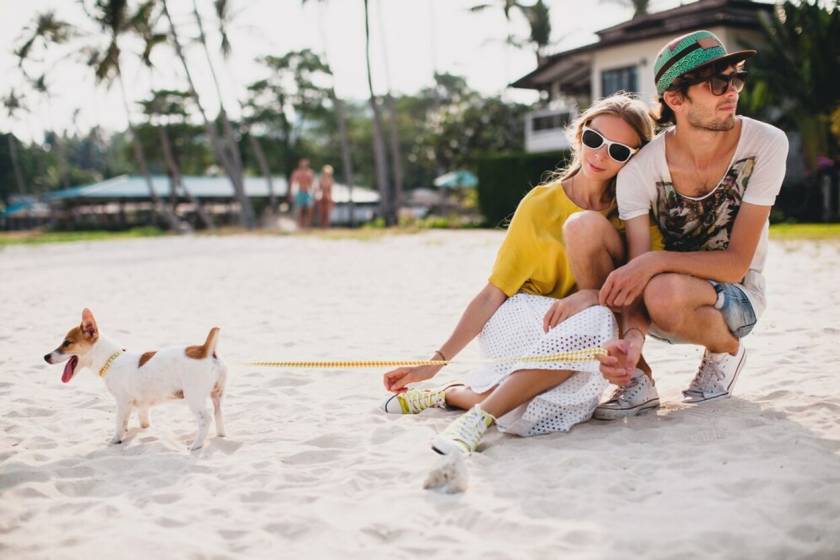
(516, 329)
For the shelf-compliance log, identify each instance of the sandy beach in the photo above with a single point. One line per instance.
(311, 468)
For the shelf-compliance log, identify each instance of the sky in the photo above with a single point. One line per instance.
(419, 37)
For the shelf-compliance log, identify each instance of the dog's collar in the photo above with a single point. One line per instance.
(104, 369)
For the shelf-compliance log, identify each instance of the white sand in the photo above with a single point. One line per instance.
(311, 468)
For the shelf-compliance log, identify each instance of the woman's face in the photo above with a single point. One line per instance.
(596, 163)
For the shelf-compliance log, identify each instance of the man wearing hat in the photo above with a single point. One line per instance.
(708, 182)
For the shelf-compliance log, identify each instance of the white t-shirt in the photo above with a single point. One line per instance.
(754, 175)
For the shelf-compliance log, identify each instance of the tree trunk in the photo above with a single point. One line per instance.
(346, 159)
(265, 170)
(178, 182)
(230, 141)
(15, 163)
(396, 155)
(393, 132)
(378, 145)
(169, 218)
(247, 216)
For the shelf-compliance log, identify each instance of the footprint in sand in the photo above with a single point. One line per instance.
(333, 441)
(313, 457)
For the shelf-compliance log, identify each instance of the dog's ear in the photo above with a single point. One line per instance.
(89, 327)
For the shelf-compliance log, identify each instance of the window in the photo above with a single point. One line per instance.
(618, 79)
(549, 122)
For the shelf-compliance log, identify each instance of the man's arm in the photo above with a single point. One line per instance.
(625, 284)
(625, 351)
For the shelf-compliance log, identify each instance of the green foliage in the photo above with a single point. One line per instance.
(504, 179)
(40, 238)
(794, 79)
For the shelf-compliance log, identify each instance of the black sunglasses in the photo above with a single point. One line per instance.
(719, 83)
(591, 138)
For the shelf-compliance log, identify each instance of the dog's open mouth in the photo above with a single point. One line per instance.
(69, 369)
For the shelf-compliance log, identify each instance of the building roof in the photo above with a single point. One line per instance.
(133, 188)
(702, 14)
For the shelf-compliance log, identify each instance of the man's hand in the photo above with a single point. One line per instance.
(626, 284)
(621, 359)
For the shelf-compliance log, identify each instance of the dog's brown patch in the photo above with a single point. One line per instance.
(76, 342)
(201, 352)
(196, 352)
(178, 395)
(146, 357)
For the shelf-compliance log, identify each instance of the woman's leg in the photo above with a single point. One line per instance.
(520, 387)
(464, 397)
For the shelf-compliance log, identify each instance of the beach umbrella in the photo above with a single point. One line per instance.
(456, 179)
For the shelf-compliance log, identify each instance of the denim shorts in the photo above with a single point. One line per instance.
(735, 306)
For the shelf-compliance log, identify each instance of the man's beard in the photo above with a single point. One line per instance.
(700, 122)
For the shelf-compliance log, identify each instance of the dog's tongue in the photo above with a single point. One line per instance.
(69, 369)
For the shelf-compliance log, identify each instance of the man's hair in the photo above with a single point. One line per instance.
(664, 115)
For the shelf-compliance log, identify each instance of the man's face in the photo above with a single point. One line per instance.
(704, 110)
(303, 164)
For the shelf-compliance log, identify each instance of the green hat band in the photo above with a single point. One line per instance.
(684, 55)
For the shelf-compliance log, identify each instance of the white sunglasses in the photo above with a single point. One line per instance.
(619, 152)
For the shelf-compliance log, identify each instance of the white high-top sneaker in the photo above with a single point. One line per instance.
(631, 399)
(716, 377)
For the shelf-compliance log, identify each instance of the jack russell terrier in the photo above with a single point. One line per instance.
(143, 380)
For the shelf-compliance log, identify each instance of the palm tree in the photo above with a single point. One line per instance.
(794, 80)
(44, 32)
(224, 18)
(539, 23)
(165, 105)
(381, 164)
(13, 105)
(163, 108)
(113, 17)
(227, 156)
(640, 7)
(393, 132)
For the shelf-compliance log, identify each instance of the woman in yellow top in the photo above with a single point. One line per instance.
(542, 296)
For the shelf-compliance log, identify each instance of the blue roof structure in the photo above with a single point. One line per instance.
(130, 187)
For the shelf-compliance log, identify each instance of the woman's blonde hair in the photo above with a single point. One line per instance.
(623, 105)
(328, 169)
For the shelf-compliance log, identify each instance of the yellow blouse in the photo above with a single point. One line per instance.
(532, 258)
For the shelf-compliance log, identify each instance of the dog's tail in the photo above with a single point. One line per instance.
(210, 343)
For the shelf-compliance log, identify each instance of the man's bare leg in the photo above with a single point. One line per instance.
(594, 249)
(683, 307)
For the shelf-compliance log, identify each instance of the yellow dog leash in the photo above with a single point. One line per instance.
(586, 355)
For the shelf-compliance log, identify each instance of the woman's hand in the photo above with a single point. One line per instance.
(564, 308)
(397, 379)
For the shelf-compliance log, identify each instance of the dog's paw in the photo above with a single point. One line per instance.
(449, 476)
(196, 446)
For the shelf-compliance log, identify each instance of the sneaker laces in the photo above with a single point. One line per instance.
(622, 392)
(468, 429)
(418, 400)
(709, 376)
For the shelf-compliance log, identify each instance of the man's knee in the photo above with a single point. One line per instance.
(666, 296)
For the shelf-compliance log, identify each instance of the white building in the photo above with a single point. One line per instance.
(622, 59)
